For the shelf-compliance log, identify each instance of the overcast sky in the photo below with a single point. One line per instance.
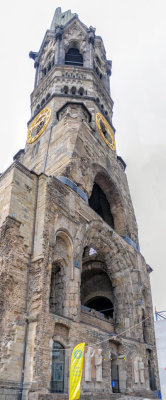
(134, 34)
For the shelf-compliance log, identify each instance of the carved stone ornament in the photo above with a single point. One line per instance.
(75, 37)
(48, 49)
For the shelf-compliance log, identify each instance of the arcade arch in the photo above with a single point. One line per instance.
(60, 273)
(105, 199)
(96, 288)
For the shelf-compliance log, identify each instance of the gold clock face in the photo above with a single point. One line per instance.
(104, 128)
(38, 125)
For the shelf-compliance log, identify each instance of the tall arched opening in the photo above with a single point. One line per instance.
(105, 200)
(60, 274)
(98, 201)
(96, 287)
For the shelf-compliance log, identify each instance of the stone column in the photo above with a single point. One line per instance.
(36, 65)
(110, 358)
(91, 38)
(34, 56)
(136, 371)
(109, 68)
(58, 37)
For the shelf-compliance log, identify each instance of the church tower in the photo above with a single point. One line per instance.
(70, 263)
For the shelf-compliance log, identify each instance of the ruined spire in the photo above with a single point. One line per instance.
(61, 18)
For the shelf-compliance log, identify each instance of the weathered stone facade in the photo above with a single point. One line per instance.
(70, 265)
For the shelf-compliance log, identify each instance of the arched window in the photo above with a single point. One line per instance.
(81, 91)
(44, 71)
(56, 289)
(42, 102)
(49, 66)
(100, 204)
(57, 373)
(48, 96)
(98, 61)
(96, 288)
(151, 369)
(65, 89)
(73, 57)
(73, 90)
(62, 256)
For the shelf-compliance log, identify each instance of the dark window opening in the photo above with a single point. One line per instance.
(152, 380)
(98, 61)
(57, 373)
(99, 203)
(73, 90)
(143, 325)
(101, 304)
(66, 89)
(73, 57)
(115, 377)
(56, 289)
(81, 91)
(98, 72)
(48, 95)
(49, 66)
(151, 370)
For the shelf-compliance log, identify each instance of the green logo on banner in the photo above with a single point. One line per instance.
(78, 354)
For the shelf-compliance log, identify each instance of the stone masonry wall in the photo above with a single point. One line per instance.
(65, 225)
(13, 280)
(5, 194)
(123, 264)
(15, 249)
(77, 152)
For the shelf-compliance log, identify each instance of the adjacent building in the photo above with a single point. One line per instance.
(160, 331)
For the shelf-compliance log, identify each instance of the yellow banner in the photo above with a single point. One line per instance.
(76, 371)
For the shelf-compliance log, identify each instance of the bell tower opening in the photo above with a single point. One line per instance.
(73, 57)
(98, 201)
